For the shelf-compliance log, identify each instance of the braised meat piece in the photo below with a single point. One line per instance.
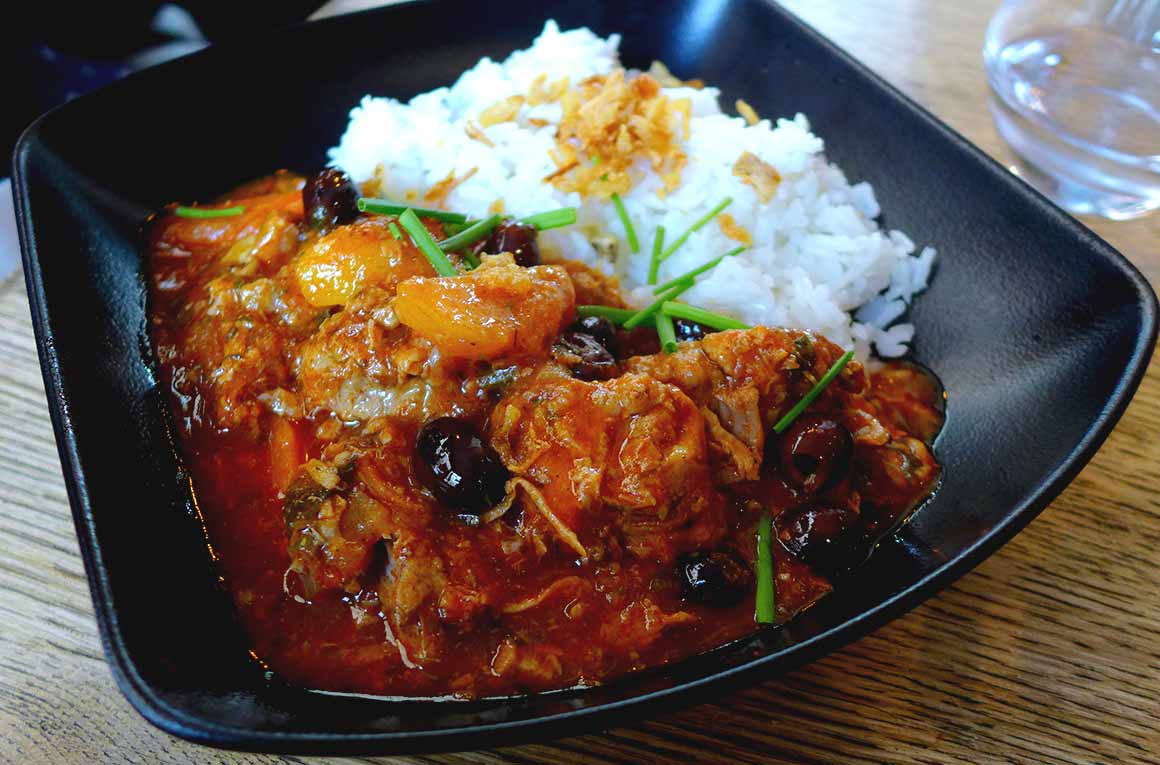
(743, 381)
(619, 462)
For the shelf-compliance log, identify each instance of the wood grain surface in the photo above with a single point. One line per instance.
(1048, 652)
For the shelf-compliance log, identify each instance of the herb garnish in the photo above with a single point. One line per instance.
(386, 207)
(700, 315)
(614, 315)
(426, 243)
(765, 610)
(655, 261)
(470, 235)
(565, 216)
(208, 212)
(629, 231)
(666, 333)
(647, 312)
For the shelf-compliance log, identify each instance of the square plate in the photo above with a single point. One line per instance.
(1039, 330)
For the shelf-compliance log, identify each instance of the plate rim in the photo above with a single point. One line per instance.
(159, 712)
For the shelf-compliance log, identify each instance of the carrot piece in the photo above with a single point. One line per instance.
(287, 452)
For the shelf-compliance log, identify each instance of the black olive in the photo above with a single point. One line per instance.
(516, 238)
(715, 578)
(641, 341)
(330, 199)
(601, 329)
(815, 453)
(458, 466)
(824, 537)
(588, 359)
(689, 330)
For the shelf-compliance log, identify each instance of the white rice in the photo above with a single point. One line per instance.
(817, 252)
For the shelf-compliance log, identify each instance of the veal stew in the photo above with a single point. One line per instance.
(426, 485)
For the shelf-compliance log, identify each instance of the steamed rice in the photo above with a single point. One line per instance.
(817, 253)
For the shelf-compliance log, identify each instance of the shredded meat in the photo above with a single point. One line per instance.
(591, 286)
(362, 364)
(236, 315)
(747, 379)
(627, 454)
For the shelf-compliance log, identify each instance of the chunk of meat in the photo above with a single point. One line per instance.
(900, 473)
(333, 524)
(591, 286)
(237, 338)
(362, 364)
(498, 311)
(356, 521)
(199, 235)
(745, 380)
(627, 453)
(910, 397)
(334, 268)
(235, 312)
(409, 591)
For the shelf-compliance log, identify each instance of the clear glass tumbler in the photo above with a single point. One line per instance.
(1076, 93)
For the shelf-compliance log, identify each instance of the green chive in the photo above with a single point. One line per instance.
(208, 212)
(698, 270)
(614, 315)
(471, 261)
(666, 333)
(643, 314)
(696, 226)
(565, 216)
(765, 612)
(426, 244)
(814, 392)
(629, 231)
(700, 315)
(394, 230)
(655, 263)
(451, 229)
(386, 207)
(470, 235)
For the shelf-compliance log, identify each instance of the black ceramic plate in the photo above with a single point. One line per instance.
(1040, 331)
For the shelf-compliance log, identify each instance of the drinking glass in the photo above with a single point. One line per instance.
(1075, 91)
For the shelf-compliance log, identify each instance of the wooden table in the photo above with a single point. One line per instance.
(1049, 651)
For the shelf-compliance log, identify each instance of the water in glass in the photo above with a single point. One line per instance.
(1076, 93)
